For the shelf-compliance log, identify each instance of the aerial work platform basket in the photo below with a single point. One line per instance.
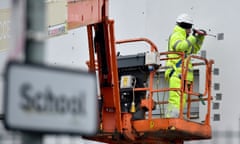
(179, 129)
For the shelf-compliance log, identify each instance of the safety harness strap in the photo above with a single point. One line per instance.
(178, 64)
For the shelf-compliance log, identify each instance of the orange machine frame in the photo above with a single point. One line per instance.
(115, 126)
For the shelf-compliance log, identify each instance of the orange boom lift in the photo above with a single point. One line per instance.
(127, 85)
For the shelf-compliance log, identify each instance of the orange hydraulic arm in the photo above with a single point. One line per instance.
(94, 15)
(108, 76)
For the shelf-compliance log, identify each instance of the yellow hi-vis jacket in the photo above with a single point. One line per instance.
(179, 42)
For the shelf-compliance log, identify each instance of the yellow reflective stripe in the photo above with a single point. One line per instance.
(175, 45)
(192, 50)
(177, 42)
(189, 43)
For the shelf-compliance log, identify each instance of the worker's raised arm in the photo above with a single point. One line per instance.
(178, 42)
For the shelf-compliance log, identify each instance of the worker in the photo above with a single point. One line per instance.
(181, 40)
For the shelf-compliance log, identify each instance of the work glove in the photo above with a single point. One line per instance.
(204, 32)
(199, 32)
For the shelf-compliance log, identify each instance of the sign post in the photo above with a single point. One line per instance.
(34, 43)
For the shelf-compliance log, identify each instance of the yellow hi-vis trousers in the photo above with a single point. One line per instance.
(173, 107)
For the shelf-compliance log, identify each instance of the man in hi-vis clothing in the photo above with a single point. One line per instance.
(180, 40)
